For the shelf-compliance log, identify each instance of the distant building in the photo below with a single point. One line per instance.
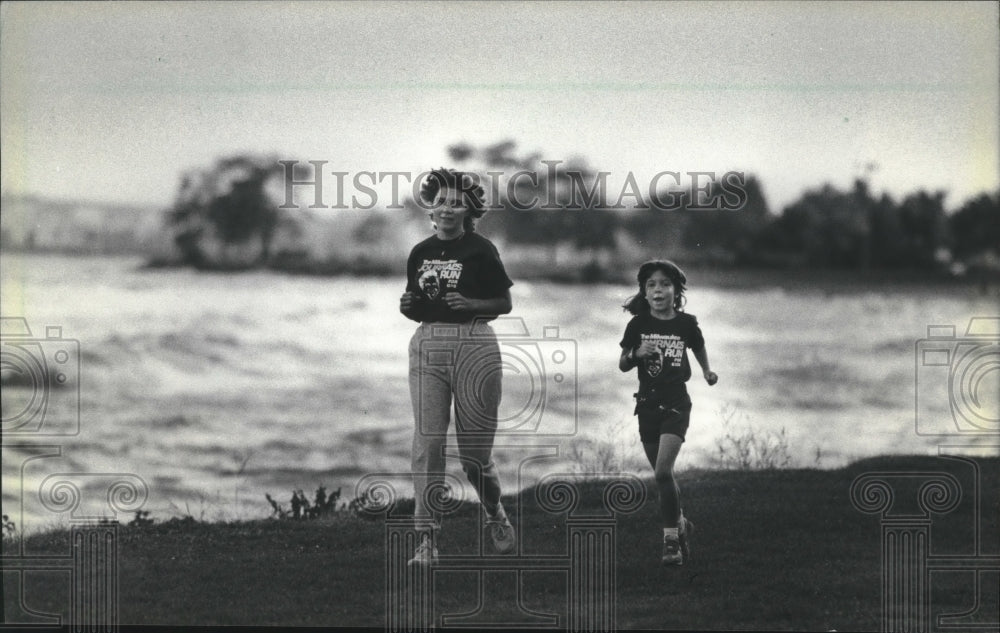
(32, 223)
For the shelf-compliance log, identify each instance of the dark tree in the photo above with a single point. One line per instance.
(460, 152)
(975, 228)
(729, 233)
(227, 204)
(924, 227)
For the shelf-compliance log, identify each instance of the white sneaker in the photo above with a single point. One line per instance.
(672, 552)
(425, 555)
(501, 531)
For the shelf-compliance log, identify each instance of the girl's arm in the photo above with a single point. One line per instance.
(710, 376)
(627, 360)
(630, 357)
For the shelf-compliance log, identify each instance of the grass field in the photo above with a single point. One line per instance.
(775, 550)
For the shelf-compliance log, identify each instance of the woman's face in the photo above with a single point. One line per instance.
(449, 211)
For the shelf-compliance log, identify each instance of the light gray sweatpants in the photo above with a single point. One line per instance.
(460, 363)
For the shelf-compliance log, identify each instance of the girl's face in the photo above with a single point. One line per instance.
(659, 292)
(449, 212)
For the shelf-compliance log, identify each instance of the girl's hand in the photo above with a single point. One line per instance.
(646, 349)
(711, 377)
(456, 301)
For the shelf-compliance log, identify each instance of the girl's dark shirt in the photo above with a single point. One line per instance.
(667, 371)
(469, 265)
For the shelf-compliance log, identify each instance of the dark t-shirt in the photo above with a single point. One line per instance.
(469, 265)
(667, 371)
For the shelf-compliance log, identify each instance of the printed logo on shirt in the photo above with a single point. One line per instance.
(669, 352)
(437, 276)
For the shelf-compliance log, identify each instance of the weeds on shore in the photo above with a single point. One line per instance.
(323, 504)
(9, 528)
(744, 447)
(596, 458)
(367, 505)
(141, 519)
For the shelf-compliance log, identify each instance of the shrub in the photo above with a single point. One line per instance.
(744, 447)
(595, 457)
(322, 505)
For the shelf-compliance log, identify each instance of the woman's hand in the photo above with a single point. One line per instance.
(407, 301)
(457, 301)
(711, 377)
(497, 305)
(646, 349)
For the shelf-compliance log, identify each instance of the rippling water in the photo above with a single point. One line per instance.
(209, 390)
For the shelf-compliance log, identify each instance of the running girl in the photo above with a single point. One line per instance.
(656, 341)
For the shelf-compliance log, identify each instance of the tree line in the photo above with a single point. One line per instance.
(232, 204)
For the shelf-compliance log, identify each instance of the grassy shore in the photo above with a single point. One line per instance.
(776, 550)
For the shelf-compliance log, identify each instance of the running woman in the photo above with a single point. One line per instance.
(455, 285)
(656, 341)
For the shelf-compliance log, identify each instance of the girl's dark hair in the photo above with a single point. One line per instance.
(464, 182)
(637, 304)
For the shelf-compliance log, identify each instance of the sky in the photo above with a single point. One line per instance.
(112, 101)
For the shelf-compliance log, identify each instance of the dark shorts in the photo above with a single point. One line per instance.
(668, 418)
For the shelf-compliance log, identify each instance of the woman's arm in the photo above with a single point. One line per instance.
(496, 305)
(408, 305)
(409, 302)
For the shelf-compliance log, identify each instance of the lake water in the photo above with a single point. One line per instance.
(210, 390)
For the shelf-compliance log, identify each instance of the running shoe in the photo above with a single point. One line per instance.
(501, 531)
(672, 552)
(426, 554)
